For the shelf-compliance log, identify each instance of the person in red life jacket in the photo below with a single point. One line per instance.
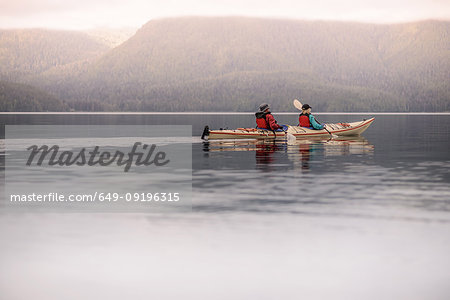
(265, 120)
(306, 119)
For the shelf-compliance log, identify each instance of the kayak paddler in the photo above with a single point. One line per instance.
(306, 119)
(265, 119)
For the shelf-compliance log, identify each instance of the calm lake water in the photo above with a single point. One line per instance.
(356, 218)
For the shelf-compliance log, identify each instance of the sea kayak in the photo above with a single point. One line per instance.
(337, 129)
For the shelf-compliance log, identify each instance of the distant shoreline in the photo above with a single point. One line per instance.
(219, 113)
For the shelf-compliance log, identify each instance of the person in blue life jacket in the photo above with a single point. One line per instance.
(265, 119)
(306, 119)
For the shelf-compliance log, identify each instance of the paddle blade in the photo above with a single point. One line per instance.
(298, 105)
(291, 138)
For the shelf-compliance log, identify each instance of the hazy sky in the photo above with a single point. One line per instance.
(83, 14)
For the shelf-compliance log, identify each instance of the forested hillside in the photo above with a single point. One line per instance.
(111, 37)
(21, 97)
(234, 63)
(25, 52)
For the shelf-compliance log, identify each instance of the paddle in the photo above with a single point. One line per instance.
(298, 105)
(289, 136)
(332, 135)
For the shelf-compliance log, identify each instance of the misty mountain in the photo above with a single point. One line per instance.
(111, 37)
(25, 52)
(235, 63)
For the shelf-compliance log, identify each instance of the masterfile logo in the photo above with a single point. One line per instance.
(98, 168)
(53, 156)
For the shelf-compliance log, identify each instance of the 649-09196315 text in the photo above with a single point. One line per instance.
(98, 197)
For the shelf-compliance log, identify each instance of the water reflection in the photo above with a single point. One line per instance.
(265, 152)
(270, 154)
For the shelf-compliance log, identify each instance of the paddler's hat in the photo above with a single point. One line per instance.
(264, 106)
(306, 106)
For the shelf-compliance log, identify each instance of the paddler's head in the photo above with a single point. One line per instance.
(306, 109)
(264, 107)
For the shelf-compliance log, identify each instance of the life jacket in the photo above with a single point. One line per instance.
(303, 120)
(261, 120)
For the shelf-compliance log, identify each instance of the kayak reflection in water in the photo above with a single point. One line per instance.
(305, 154)
(271, 155)
(265, 153)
